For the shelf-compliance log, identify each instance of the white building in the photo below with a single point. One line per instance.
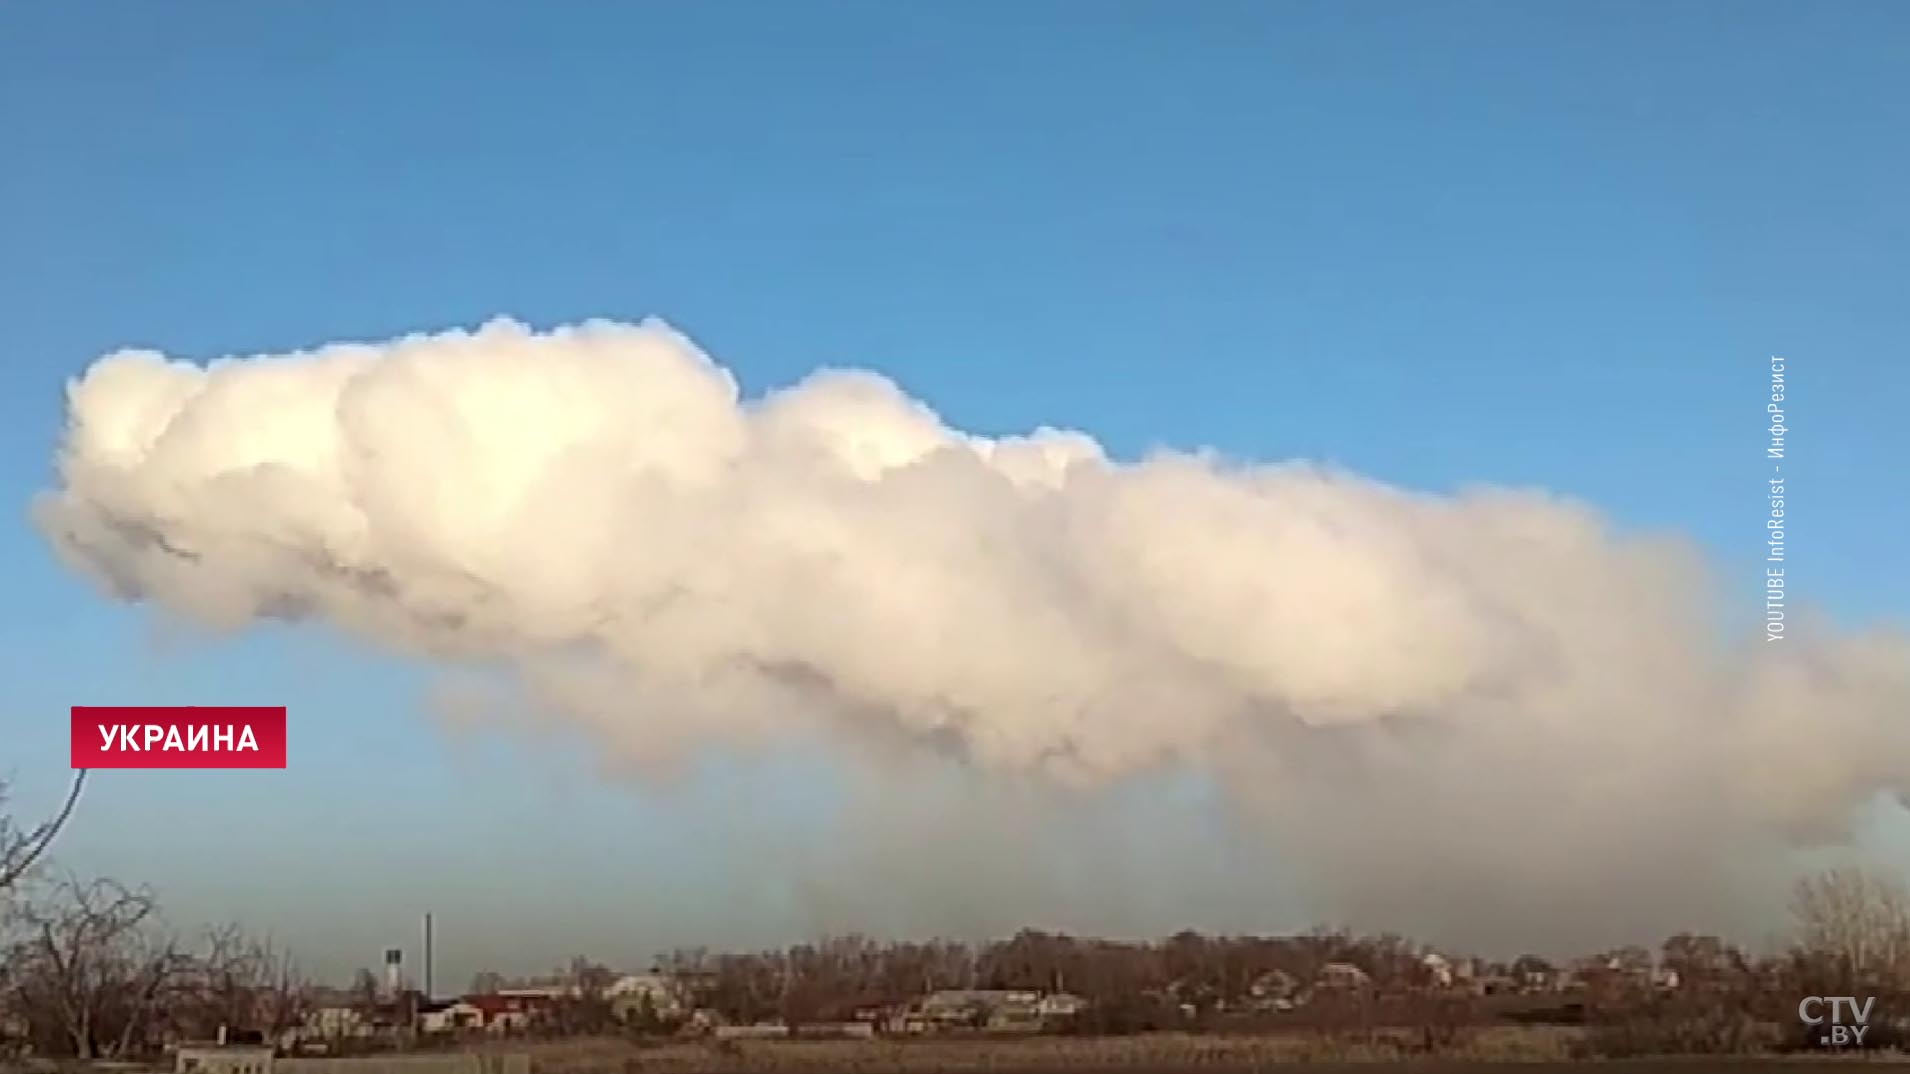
(223, 1060)
(1059, 1005)
(1342, 975)
(660, 991)
(332, 1023)
(451, 1017)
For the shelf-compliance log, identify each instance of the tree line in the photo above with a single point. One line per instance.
(88, 969)
(1852, 938)
(1693, 992)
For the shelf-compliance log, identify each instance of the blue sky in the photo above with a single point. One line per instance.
(1437, 243)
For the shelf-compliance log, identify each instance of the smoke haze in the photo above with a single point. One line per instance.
(1487, 717)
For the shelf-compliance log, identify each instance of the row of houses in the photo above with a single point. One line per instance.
(656, 998)
(1001, 1010)
(1278, 990)
(954, 1010)
(1528, 976)
(338, 1017)
(659, 998)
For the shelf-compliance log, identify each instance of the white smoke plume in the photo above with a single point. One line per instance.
(1487, 714)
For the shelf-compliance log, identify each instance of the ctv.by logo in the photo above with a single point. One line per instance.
(1839, 1031)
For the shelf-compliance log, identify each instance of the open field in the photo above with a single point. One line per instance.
(1167, 1053)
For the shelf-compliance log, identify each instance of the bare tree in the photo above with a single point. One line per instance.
(240, 982)
(1704, 962)
(22, 848)
(88, 974)
(1853, 928)
(584, 1006)
(365, 991)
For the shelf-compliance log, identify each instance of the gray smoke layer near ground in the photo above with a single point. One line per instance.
(1486, 715)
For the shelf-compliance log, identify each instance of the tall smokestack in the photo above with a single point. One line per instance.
(428, 993)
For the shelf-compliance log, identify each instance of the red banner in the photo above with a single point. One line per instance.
(191, 736)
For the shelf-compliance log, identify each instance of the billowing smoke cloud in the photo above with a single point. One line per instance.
(1484, 714)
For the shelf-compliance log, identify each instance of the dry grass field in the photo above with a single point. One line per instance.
(1496, 1050)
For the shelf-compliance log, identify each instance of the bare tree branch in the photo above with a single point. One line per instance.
(20, 851)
